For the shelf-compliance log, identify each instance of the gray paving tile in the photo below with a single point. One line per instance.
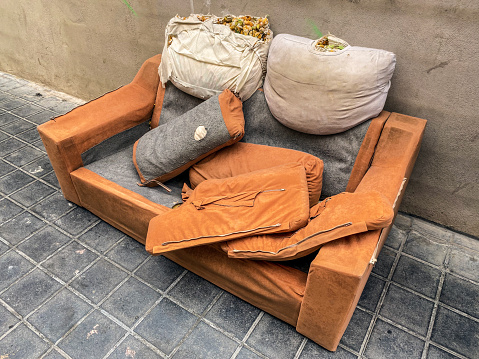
(274, 338)
(233, 315)
(385, 261)
(245, 353)
(131, 301)
(23, 156)
(10, 145)
(464, 263)
(98, 280)
(132, 348)
(356, 331)
(51, 178)
(396, 237)
(53, 207)
(431, 230)
(11, 84)
(26, 92)
(63, 107)
(20, 227)
(166, 325)
(206, 342)
(33, 193)
(76, 221)
(466, 241)
(70, 260)
(437, 353)
(59, 315)
(313, 351)
(93, 338)
(8, 210)
(43, 243)
(26, 110)
(387, 341)
(13, 103)
(3, 248)
(30, 291)
(403, 221)
(17, 126)
(160, 272)
(7, 118)
(39, 145)
(372, 291)
(3, 136)
(14, 181)
(13, 345)
(39, 167)
(7, 320)
(102, 236)
(456, 332)
(42, 117)
(417, 276)
(128, 253)
(5, 168)
(461, 294)
(4, 97)
(53, 355)
(49, 101)
(12, 267)
(29, 136)
(194, 292)
(407, 309)
(428, 249)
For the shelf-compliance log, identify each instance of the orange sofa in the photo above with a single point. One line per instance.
(319, 303)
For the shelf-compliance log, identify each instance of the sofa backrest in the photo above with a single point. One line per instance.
(338, 152)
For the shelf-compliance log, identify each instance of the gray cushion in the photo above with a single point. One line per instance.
(163, 151)
(119, 169)
(338, 152)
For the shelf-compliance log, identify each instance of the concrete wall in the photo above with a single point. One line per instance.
(88, 47)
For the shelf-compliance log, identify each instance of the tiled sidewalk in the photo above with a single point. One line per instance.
(72, 286)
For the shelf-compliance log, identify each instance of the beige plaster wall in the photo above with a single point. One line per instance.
(88, 47)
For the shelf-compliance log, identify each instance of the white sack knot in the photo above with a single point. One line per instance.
(200, 133)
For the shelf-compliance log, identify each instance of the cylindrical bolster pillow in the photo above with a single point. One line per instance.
(325, 92)
(248, 157)
(171, 148)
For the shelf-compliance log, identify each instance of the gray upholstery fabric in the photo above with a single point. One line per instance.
(176, 103)
(114, 143)
(172, 145)
(119, 169)
(338, 152)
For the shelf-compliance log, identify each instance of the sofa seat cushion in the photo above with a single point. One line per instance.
(119, 168)
(335, 217)
(243, 158)
(272, 200)
(170, 149)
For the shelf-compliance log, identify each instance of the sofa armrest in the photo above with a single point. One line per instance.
(67, 137)
(339, 272)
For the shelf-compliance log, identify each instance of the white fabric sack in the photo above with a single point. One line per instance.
(324, 93)
(204, 58)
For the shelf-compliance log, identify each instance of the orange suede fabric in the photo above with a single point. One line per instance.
(68, 136)
(155, 118)
(247, 157)
(267, 201)
(335, 217)
(339, 272)
(366, 151)
(232, 111)
(122, 208)
(275, 288)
